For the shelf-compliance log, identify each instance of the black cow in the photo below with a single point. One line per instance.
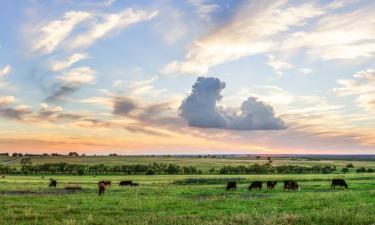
(126, 183)
(231, 185)
(105, 182)
(271, 185)
(339, 182)
(256, 184)
(52, 183)
(290, 185)
(134, 184)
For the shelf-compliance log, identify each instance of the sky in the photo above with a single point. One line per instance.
(187, 77)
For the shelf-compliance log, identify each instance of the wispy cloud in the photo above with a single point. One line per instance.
(109, 24)
(60, 64)
(204, 9)
(251, 31)
(55, 32)
(348, 35)
(71, 81)
(362, 86)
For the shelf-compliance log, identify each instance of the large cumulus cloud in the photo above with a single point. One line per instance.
(201, 109)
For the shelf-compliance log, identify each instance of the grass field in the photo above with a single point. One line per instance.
(203, 164)
(158, 200)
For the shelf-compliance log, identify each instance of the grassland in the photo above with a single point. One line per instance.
(203, 164)
(161, 199)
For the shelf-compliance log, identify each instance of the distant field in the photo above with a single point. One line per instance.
(203, 164)
(27, 200)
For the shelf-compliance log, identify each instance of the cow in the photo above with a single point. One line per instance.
(231, 185)
(290, 185)
(271, 185)
(126, 183)
(255, 184)
(101, 188)
(3, 176)
(338, 182)
(134, 184)
(52, 183)
(105, 182)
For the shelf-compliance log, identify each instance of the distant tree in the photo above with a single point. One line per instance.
(349, 165)
(257, 157)
(45, 154)
(150, 171)
(73, 154)
(361, 170)
(370, 170)
(212, 170)
(345, 170)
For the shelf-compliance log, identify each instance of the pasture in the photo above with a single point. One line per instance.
(175, 199)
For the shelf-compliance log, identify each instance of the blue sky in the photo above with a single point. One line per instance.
(117, 76)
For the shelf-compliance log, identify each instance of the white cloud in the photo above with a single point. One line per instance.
(251, 31)
(78, 76)
(108, 24)
(6, 100)
(203, 9)
(139, 88)
(5, 71)
(278, 65)
(55, 32)
(341, 36)
(362, 86)
(58, 65)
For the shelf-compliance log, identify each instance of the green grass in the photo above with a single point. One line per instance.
(203, 164)
(158, 200)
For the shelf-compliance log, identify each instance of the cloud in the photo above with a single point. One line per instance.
(203, 9)
(343, 36)
(123, 106)
(71, 81)
(17, 113)
(362, 86)
(139, 88)
(201, 109)
(58, 65)
(252, 30)
(278, 65)
(55, 32)
(5, 71)
(108, 24)
(6, 100)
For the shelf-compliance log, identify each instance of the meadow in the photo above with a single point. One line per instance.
(166, 199)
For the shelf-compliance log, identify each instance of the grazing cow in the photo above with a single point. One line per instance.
(101, 188)
(290, 185)
(271, 185)
(52, 183)
(339, 182)
(255, 184)
(231, 185)
(126, 183)
(105, 182)
(134, 184)
(3, 176)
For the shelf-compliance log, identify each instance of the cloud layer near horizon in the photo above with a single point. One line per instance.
(201, 109)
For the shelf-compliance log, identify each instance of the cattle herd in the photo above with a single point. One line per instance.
(231, 185)
(288, 185)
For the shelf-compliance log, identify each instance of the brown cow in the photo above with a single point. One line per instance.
(101, 189)
(105, 182)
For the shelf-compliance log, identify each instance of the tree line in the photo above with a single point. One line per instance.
(162, 168)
